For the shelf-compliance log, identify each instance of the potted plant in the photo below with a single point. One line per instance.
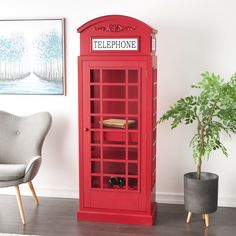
(214, 111)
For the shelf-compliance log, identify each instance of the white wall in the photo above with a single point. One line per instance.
(194, 36)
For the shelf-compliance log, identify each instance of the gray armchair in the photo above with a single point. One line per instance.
(21, 140)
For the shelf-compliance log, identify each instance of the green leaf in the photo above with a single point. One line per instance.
(213, 109)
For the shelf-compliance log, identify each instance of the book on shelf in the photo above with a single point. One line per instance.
(118, 123)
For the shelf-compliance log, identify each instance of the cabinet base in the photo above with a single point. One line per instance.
(114, 217)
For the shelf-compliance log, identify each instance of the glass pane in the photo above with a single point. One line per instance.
(113, 91)
(154, 75)
(132, 168)
(94, 76)
(154, 120)
(95, 137)
(95, 167)
(113, 107)
(154, 164)
(133, 108)
(95, 122)
(113, 76)
(133, 138)
(95, 152)
(133, 92)
(154, 178)
(113, 168)
(95, 107)
(132, 184)
(95, 91)
(133, 154)
(133, 123)
(113, 137)
(154, 151)
(154, 104)
(154, 90)
(96, 182)
(114, 153)
(133, 76)
(154, 134)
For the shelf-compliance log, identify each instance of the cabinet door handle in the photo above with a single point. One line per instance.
(86, 129)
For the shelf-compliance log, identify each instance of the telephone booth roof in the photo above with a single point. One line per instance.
(116, 27)
(114, 18)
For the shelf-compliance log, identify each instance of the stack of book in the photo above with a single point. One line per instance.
(119, 123)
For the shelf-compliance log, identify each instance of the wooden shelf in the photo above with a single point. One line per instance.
(120, 115)
(114, 160)
(116, 175)
(113, 84)
(118, 99)
(130, 130)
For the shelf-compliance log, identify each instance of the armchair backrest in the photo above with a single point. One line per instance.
(21, 138)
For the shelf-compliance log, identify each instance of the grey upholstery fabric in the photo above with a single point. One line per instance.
(11, 172)
(10, 183)
(21, 140)
(32, 168)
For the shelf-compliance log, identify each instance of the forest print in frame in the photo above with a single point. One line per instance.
(32, 56)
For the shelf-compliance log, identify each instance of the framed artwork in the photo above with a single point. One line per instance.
(32, 56)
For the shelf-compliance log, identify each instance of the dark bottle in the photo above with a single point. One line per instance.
(112, 181)
(116, 181)
(121, 182)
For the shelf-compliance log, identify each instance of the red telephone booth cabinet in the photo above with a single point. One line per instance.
(117, 120)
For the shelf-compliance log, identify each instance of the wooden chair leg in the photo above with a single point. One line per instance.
(19, 201)
(207, 220)
(33, 192)
(189, 217)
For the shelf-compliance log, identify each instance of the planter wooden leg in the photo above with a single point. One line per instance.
(189, 217)
(33, 192)
(207, 220)
(19, 201)
(203, 216)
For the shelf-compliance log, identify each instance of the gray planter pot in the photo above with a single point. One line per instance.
(201, 196)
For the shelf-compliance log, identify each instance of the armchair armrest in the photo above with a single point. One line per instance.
(32, 168)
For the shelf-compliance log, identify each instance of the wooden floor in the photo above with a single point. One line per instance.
(56, 216)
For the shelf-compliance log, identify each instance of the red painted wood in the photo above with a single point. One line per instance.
(122, 217)
(115, 26)
(117, 85)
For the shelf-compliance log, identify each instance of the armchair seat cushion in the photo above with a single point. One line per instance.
(10, 172)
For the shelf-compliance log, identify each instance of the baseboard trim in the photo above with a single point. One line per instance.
(178, 198)
(170, 198)
(162, 197)
(227, 201)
